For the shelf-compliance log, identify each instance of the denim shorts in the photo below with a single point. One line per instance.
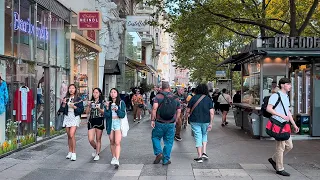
(116, 124)
(200, 131)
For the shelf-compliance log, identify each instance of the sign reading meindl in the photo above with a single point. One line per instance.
(27, 27)
(296, 42)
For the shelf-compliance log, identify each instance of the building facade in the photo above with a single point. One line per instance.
(34, 69)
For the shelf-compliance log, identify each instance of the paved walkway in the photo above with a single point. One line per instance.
(233, 155)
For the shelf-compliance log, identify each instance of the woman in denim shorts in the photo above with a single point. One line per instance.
(201, 119)
(114, 112)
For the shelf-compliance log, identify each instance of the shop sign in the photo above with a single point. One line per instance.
(138, 24)
(296, 42)
(26, 26)
(89, 20)
(220, 73)
(91, 35)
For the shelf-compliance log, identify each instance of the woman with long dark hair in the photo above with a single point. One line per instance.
(114, 112)
(200, 109)
(95, 110)
(72, 108)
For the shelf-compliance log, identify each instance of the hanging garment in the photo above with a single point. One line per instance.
(23, 104)
(4, 96)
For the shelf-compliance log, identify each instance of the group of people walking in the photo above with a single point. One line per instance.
(167, 116)
(99, 111)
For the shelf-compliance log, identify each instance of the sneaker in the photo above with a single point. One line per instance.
(167, 163)
(199, 160)
(226, 123)
(139, 121)
(96, 158)
(274, 165)
(205, 156)
(116, 163)
(113, 161)
(158, 159)
(134, 120)
(94, 154)
(73, 157)
(69, 155)
(178, 138)
(283, 173)
(222, 124)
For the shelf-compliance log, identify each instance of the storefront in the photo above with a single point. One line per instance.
(263, 63)
(33, 69)
(84, 65)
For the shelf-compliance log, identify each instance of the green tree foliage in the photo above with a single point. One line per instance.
(208, 31)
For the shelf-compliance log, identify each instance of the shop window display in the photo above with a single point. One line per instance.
(251, 83)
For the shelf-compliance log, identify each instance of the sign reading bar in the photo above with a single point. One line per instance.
(138, 24)
(296, 42)
(89, 20)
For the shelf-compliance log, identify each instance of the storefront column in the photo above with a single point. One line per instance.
(47, 99)
(2, 24)
(316, 100)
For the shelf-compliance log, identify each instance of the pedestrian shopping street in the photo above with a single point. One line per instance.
(233, 155)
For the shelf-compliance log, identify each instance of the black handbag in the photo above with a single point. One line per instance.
(141, 106)
(59, 121)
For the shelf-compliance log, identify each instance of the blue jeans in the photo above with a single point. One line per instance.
(200, 132)
(165, 131)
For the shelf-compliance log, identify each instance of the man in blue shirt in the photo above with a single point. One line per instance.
(281, 114)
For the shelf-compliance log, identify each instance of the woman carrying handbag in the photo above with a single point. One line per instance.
(201, 113)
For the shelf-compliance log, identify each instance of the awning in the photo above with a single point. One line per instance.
(111, 67)
(151, 69)
(137, 65)
(236, 58)
(290, 53)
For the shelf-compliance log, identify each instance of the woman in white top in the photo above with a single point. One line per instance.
(72, 108)
(225, 103)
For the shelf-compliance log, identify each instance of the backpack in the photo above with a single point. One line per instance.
(167, 108)
(264, 106)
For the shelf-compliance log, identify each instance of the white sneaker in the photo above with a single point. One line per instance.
(73, 157)
(116, 163)
(113, 161)
(96, 158)
(69, 155)
(94, 154)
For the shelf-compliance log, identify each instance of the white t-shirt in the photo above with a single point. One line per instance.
(279, 109)
(224, 99)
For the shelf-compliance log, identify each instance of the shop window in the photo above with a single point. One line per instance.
(251, 83)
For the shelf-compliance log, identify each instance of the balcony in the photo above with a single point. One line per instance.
(156, 50)
(146, 39)
(143, 9)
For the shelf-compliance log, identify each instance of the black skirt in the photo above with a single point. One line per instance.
(224, 107)
(97, 123)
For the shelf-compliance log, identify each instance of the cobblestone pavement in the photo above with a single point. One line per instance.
(233, 155)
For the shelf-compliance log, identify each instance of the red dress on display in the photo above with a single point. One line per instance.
(23, 104)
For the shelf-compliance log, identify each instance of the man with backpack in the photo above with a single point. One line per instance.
(278, 107)
(166, 109)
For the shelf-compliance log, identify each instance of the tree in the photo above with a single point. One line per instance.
(208, 31)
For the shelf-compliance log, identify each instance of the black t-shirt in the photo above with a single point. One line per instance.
(201, 114)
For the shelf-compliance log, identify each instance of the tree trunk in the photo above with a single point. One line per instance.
(293, 19)
(262, 29)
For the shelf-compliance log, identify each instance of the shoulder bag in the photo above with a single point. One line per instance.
(279, 131)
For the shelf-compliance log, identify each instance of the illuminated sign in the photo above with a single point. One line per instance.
(89, 20)
(27, 27)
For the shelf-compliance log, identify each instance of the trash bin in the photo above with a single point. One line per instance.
(303, 121)
(254, 119)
